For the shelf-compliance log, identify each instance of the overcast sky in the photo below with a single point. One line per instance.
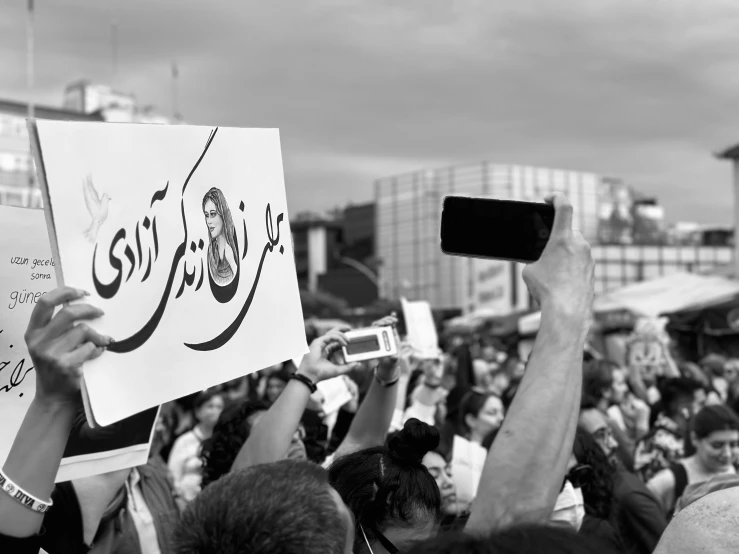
(645, 90)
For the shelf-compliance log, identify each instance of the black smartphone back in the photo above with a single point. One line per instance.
(495, 229)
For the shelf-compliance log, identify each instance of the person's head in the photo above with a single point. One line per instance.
(480, 414)
(287, 507)
(678, 398)
(620, 385)
(595, 475)
(593, 422)
(229, 435)
(392, 495)
(715, 435)
(597, 380)
(207, 407)
(527, 539)
(217, 214)
(731, 370)
(441, 471)
(707, 525)
(276, 383)
(713, 365)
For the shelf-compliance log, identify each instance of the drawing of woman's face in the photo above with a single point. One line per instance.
(213, 220)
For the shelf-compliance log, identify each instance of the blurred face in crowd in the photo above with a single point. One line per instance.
(594, 422)
(620, 386)
(731, 370)
(499, 383)
(488, 419)
(442, 474)
(274, 389)
(209, 412)
(699, 400)
(718, 450)
(488, 354)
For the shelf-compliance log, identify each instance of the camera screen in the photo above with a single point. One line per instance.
(362, 345)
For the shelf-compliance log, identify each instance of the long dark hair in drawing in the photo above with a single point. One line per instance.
(222, 251)
(223, 247)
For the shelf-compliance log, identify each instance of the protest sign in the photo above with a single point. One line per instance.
(419, 322)
(26, 274)
(335, 393)
(181, 236)
(468, 460)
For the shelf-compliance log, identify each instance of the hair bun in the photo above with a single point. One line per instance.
(415, 441)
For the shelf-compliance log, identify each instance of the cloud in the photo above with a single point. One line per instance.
(362, 89)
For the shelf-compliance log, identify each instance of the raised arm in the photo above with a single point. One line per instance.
(370, 426)
(270, 439)
(525, 468)
(59, 345)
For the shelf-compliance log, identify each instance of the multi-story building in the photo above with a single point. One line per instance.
(17, 174)
(114, 106)
(409, 217)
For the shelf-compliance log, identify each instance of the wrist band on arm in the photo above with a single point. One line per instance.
(23, 497)
(307, 382)
(389, 383)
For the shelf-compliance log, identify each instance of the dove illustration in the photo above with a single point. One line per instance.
(97, 206)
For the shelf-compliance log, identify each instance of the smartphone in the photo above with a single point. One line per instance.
(371, 343)
(495, 229)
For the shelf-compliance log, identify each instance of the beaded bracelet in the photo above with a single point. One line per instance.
(305, 380)
(25, 498)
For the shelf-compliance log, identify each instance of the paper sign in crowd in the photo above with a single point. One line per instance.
(26, 274)
(468, 460)
(421, 329)
(182, 237)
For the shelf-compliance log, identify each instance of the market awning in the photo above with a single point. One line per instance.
(670, 293)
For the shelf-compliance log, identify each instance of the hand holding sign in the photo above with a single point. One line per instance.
(59, 344)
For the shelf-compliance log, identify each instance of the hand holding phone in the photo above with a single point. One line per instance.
(495, 229)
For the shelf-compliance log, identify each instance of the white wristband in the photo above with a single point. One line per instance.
(25, 498)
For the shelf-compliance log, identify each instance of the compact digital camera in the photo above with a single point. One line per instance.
(371, 343)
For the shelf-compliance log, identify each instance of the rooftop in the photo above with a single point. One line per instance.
(20, 109)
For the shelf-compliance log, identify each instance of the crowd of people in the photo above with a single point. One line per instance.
(580, 454)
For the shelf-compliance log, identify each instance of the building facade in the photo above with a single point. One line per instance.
(18, 185)
(409, 217)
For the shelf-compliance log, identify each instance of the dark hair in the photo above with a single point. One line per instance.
(714, 418)
(284, 507)
(527, 539)
(389, 485)
(229, 435)
(472, 403)
(597, 378)
(598, 493)
(672, 389)
(283, 374)
(204, 397)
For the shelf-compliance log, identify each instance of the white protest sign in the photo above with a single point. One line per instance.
(335, 393)
(421, 329)
(181, 236)
(26, 274)
(468, 460)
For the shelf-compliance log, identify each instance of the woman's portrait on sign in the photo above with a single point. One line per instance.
(222, 249)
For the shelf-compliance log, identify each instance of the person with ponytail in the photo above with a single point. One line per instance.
(394, 498)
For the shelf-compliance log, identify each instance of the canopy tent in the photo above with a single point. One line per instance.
(671, 293)
(704, 330)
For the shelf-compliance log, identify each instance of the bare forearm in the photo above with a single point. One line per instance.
(33, 463)
(370, 425)
(524, 470)
(270, 439)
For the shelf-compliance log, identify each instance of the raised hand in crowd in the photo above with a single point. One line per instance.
(272, 435)
(59, 345)
(525, 468)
